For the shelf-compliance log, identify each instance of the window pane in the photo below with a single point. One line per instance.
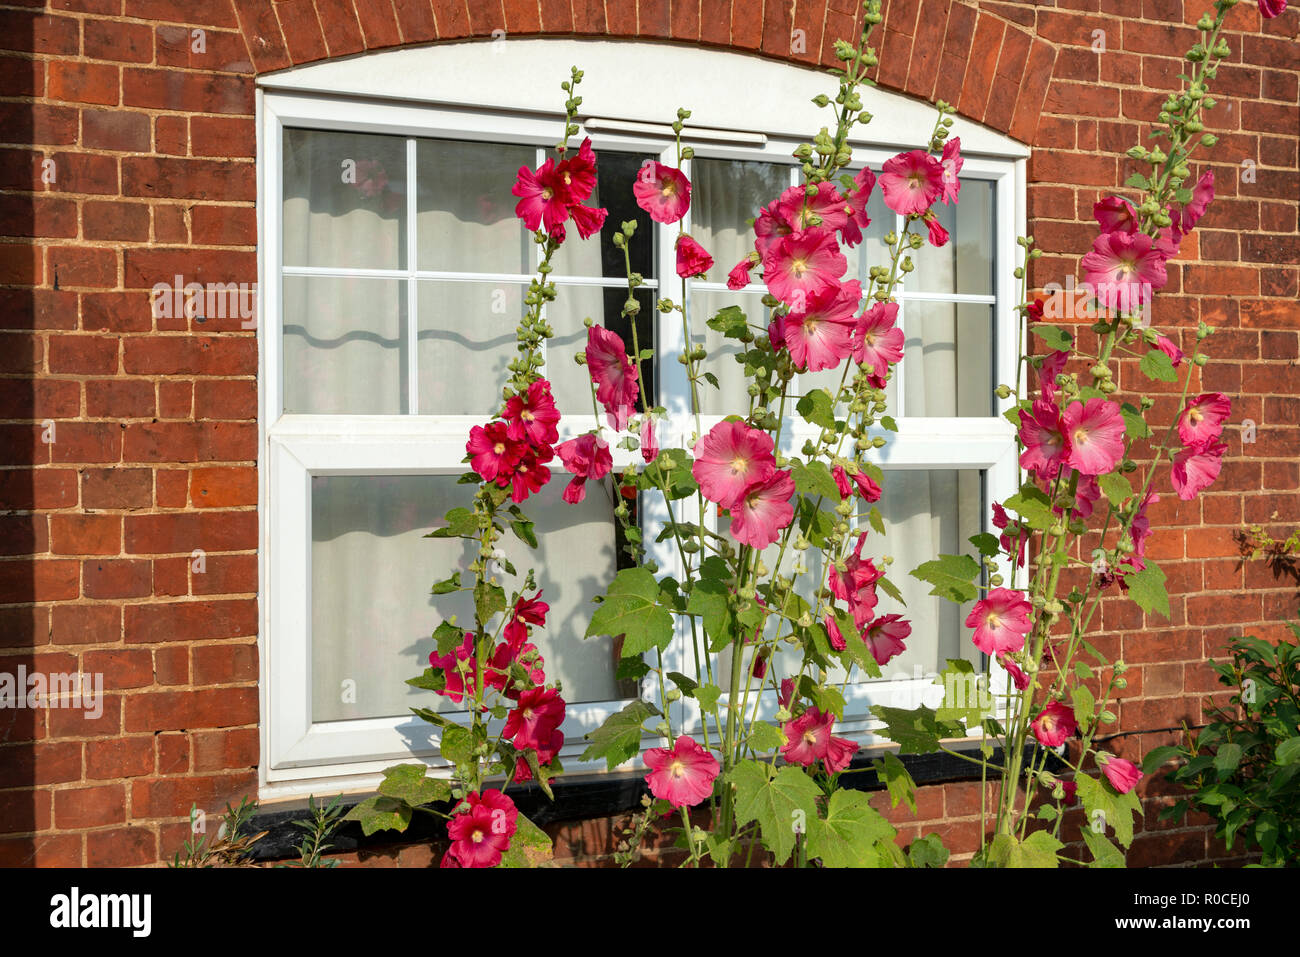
(465, 219)
(571, 385)
(344, 200)
(726, 193)
(948, 359)
(731, 397)
(598, 256)
(371, 570)
(965, 265)
(466, 340)
(344, 345)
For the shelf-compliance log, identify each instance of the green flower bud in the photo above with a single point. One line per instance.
(1201, 359)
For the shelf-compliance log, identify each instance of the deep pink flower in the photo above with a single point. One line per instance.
(885, 636)
(1115, 215)
(1185, 220)
(938, 235)
(1096, 435)
(1045, 439)
(491, 450)
(683, 776)
(481, 834)
(1054, 724)
(578, 173)
(1052, 365)
(535, 718)
(866, 485)
(738, 278)
(1271, 8)
(911, 182)
(802, 265)
(1123, 775)
(544, 196)
(1166, 345)
(649, 443)
(692, 258)
(1195, 468)
(772, 223)
(662, 191)
(527, 611)
(877, 342)
(855, 207)
(1034, 310)
(1086, 495)
(533, 415)
(799, 209)
(856, 583)
(1001, 621)
(612, 371)
(833, 632)
(1018, 677)
(586, 457)
(808, 739)
(1139, 532)
(1124, 269)
(763, 510)
(588, 220)
(821, 335)
(952, 162)
(526, 655)
(1201, 421)
(730, 458)
(530, 473)
(1002, 522)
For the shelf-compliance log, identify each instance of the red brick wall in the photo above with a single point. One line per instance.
(154, 421)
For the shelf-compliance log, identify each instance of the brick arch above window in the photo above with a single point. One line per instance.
(994, 71)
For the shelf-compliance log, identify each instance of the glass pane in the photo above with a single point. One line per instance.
(344, 200)
(598, 256)
(726, 193)
(948, 359)
(371, 571)
(466, 340)
(465, 214)
(570, 382)
(732, 397)
(345, 345)
(965, 264)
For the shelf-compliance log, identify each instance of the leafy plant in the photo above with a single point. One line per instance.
(325, 820)
(1243, 768)
(230, 848)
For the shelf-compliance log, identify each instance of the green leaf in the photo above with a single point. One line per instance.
(849, 832)
(986, 543)
(457, 745)
(1117, 809)
(449, 637)
(877, 520)
(814, 479)
(927, 851)
(381, 813)
(1288, 752)
(631, 609)
(619, 738)
(765, 738)
(707, 696)
(890, 589)
(888, 424)
(447, 584)
(1033, 506)
(709, 601)
(1157, 757)
(900, 784)
(1057, 339)
(1137, 181)
(1037, 850)
(1085, 705)
(460, 524)
(1135, 426)
(817, 408)
(671, 472)
(489, 599)
(685, 684)
(1227, 759)
(731, 322)
(966, 697)
(917, 731)
(1116, 488)
(783, 804)
(412, 784)
(952, 577)
(1157, 365)
(529, 845)
(1147, 588)
(523, 530)
(1104, 853)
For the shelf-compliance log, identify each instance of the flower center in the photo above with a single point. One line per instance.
(740, 465)
(799, 266)
(526, 416)
(809, 737)
(669, 188)
(1080, 436)
(992, 620)
(1195, 415)
(528, 713)
(677, 769)
(547, 192)
(477, 836)
(869, 338)
(499, 448)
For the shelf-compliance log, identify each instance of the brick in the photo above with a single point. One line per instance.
(415, 20)
(224, 663)
(38, 216)
(86, 624)
(45, 763)
(120, 398)
(90, 807)
(120, 578)
(172, 710)
(153, 177)
(190, 620)
(175, 399)
(171, 488)
(82, 354)
(171, 135)
(188, 355)
(46, 850)
(116, 312)
(111, 40)
(117, 488)
(262, 36)
(301, 29)
(80, 82)
(121, 847)
(48, 580)
(225, 399)
(24, 534)
(342, 32)
(31, 33)
(119, 758)
(85, 534)
(223, 487)
(190, 442)
(87, 442)
(217, 14)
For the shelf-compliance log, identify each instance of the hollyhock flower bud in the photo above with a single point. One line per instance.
(1018, 677)
(1271, 8)
(1166, 345)
(1123, 775)
(738, 278)
(692, 258)
(938, 235)
(1001, 621)
(682, 776)
(1054, 724)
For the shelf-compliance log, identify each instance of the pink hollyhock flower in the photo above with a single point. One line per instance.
(771, 224)
(544, 197)
(530, 473)
(1271, 8)
(730, 458)
(867, 487)
(533, 415)
(938, 235)
(1123, 775)
(877, 342)
(545, 755)
(1166, 345)
(821, 335)
(758, 667)
(911, 182)
(1049, 368)
(1115, 215)
(692, 258)
(1195, 468)
(1045, 439)
(1002, 522)
(1069, 787)
(786, 694)
(1096, 435)
(799, 209)
(842, 481)
(649, 443)
(612, 371)
(738, 278)
(588, 220)
(536, 716)
(885, 636)
(586, 457)
(856, 583)
(802, 265)
(481, 834)
(683, 776)
(808, 740)
(1124, 269)
(952, 162)
(578, 173)
(1018, 677)
(1086, 497)
(855, 207)
(833, 632)
(1139, 532)
(1001, 621)
(1185, 220)
(763, 510)
(839, 752)
(1201, 422)
(1054, 724)
(527, 611)
(492, 453)
(663, 192)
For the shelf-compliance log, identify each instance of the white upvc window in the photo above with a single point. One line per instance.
(393, 272)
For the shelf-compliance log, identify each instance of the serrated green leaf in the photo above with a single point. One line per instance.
(1117, 809)
(524, 531)
(783, 804)
(890, 589)
(966, 699)
(411, 783)
(730, 321)
(876, 520)
(631, 609)
(530, 846)
(686, 685)
(460, 524)
(927, 851)
(888, 424)
(619, 738)
(1157, 757)
(457, 744)
(1287, 753)
(898, 781)
(1147, 588)
(1135, 426)
(1058, 340)
(917, 731)
(817, 408)
(447, 585)
(952, 577)
(1104, 853)
(1157, 365)
(765, 738)
(489, 600)
(1115, 487)
(1033, 506)
(709, 601)
(814, 479)
(381, 813)
(1085, 706)
(671, 472)
(1137, 181)
(448, 637)
(846, 837)
(707, 696)
(986, 544)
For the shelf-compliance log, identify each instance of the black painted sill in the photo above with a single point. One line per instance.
(583, 796)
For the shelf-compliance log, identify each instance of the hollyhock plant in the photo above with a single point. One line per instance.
(763, 510)
(1201, 421)
(535, 718)
(662, 191)
(1001, 621)
(682, 776)
(1054, 724)
(1115, 215)
(491, 450)
(911, 182)
(1096, 436)
(731, 458)
(738, 278)
(586, 457)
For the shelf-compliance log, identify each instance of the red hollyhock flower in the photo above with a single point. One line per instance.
(663, 192)
(938, 235)
(885, 636)
(535, 718)
(1054, 724)
(799, 209)
(856, 584)
(481, 834)
(692, 258)
(530, 473)
(491, 450)
(1271, 8)
(533, 415)
(460, 667)
(1001, 621)
(586, 457)
(683, 776)
(527, 611)
(544, 197)
(1018, 677)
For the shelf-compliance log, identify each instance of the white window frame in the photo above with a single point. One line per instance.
(462, 91)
